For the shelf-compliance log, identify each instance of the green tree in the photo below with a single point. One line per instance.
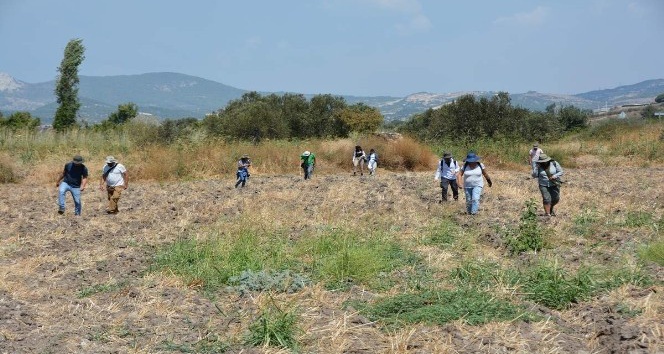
(572, 118)
(124, 114)
(659, 98)
(648, 112)
(361, 118)
(66, 89)
(20, 120)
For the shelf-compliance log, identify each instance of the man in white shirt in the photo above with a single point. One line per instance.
(448, 174)
(114, 178)
(533, 155)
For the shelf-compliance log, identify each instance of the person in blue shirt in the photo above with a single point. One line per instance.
(73, 179)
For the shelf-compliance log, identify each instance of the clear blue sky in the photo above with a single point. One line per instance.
(356, 47)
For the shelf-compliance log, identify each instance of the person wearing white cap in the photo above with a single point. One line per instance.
(308, 163)
(114, 178)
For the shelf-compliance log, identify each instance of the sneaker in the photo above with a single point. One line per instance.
(61, 211)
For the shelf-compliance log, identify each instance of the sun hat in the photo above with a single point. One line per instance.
(78, 159)
(544, 158)
(245, 156)
(306, 153)
(447, 154)
(472, 157)
(536, 145)
(111, 159)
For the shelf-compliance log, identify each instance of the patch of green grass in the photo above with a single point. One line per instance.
(529, 236)
(477, 273)
(444, 235)
(557, 288)
(343, 258)
(585, 223)
(274, 327)
(438, 307)
(337, 258)
(638, 219)
(101, 288)
(213, 261)
(653, 252)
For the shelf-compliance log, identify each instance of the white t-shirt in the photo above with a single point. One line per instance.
(535, 154)
(473, 177)
(115, 179)
(445, 171)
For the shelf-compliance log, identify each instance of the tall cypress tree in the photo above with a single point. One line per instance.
(66, 89)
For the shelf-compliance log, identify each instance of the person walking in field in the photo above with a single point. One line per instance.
(533, 155)
(448, 174)
(308, 164)
(359, 157)
(242, 170)
(114, 178)
(473, 183)
(372, 161)
(548, 173)
(73, 179)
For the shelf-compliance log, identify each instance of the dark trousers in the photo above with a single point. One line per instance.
(444, 182)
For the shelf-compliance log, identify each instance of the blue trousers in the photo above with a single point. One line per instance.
(75, 193)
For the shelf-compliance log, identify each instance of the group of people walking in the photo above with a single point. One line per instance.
(469, 175)
(472, 174)
(74, 179)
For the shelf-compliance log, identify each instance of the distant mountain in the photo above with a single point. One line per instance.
(173, 95)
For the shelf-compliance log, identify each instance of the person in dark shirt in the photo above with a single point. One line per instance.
(74, 179)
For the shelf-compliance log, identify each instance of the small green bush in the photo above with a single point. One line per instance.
(530, 234)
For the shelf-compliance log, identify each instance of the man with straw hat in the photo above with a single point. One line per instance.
(114, 177)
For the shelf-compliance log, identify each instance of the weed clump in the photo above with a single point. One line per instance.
(274, 327)
(529, 236)
(280, 281)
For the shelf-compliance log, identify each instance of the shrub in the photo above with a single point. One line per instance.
(530, 235)
(7, 173)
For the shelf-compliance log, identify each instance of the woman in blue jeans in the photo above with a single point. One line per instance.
(473, 183)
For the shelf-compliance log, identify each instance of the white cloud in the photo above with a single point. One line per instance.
(416, 20)
(533, 18)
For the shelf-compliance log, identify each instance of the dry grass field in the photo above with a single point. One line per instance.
(336, 264)
(93, 284)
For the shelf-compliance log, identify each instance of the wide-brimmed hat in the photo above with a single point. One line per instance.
(472, 157)
(306, 153)
(245, 156)
(111, 159)
(535, 145)
(447, 155)
(543, 158)
(78, 159)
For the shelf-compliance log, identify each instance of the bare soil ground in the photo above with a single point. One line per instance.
(47, 261)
